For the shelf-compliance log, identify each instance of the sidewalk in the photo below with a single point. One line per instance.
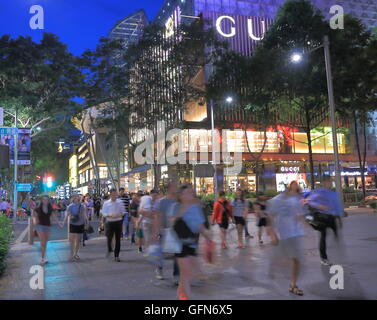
(238, 274)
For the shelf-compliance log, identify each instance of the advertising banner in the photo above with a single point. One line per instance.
(24, 145)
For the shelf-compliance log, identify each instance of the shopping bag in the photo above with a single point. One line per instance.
(154, 253)
(170, 242)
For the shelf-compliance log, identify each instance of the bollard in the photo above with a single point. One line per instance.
(30, 231)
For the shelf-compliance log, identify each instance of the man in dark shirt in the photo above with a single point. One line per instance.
(126, 221)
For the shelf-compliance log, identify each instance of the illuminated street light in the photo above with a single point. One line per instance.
(296, 58)
(229, 99)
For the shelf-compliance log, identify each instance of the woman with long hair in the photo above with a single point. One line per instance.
(286, 217)
(188, 221)
(240, 209)
(42, 216)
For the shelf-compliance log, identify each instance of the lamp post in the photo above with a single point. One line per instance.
(296, 58)
(15, 200)
(229, 100)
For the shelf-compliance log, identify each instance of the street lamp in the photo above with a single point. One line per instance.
(229, 100)
(296, 58)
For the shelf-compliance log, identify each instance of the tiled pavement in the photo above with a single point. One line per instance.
(238, 274)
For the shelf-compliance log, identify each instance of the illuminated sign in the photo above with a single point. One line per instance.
(242, 32)
(232, 31)
(173, 22)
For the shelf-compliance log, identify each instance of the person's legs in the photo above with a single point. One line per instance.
(240, 234)
(175, 268)
(77, 244)
(223, 237)
(117, 233)
(43, 236)
(184, 289)
(72, 244)
(109, 236)
(295, 272)
(322, 245)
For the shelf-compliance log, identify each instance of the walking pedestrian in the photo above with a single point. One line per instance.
(42, 217)
(164, 206)
(148, 213)
(328, 210)
(285, 226)
(260, 213)
(240, 210)
(77, 220)
(188, 221)
(137, 235)
(126, 219)
(113, 210)
(222, 214)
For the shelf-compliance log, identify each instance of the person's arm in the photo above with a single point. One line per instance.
(65, 218)
(246, 209)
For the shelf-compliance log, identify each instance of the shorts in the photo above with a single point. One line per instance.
(262, 222)
(224, 224)
(291, 247)
(76, 229)
(186, 252)
(240, 220)
(139, 233)
(147, 231)
(42, 228)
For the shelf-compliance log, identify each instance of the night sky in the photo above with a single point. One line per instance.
(78, 23)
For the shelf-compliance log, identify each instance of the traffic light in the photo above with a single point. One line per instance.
(49, 181)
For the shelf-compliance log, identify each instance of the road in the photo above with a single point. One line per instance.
(242, 274)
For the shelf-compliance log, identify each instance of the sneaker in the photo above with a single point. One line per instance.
(159, 274)
(223, 246)
(140, 250)
(325, 262)
(108, 253)
(260, 242)
(44, 261)
(116, 259)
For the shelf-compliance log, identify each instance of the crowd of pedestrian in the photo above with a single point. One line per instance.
(171, 223)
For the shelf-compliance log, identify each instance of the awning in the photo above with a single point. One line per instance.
(136, 170)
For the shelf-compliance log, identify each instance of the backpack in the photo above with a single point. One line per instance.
(225, 213)
(75, 216)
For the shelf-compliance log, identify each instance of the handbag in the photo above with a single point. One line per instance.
(170, 242)
(154, 253)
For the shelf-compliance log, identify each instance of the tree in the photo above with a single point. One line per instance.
(355, 62)
(159, 75)
(39, 82)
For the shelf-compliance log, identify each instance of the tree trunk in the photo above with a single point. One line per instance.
(359, 153)
(310, 149)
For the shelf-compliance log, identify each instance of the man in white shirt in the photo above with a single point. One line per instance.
(113, 210)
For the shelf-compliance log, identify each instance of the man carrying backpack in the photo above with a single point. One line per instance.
(222, 213)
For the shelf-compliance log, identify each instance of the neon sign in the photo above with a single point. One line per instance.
(232, 31)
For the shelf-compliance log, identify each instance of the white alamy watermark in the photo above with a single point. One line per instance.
(37, 20)
(37, 280)
(337, 280)
(176, 146)
(337, 20)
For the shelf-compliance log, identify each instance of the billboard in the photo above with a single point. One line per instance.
(24, 145)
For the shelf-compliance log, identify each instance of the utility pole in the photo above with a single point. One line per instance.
(15, 200)
(338, 180)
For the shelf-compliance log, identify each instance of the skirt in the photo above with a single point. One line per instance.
(42, 228)
(76, 229)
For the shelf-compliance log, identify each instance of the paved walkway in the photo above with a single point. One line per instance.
(238, 274)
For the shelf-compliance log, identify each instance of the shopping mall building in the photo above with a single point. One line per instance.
(242, 24)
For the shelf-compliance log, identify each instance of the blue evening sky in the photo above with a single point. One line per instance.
(78, 23)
